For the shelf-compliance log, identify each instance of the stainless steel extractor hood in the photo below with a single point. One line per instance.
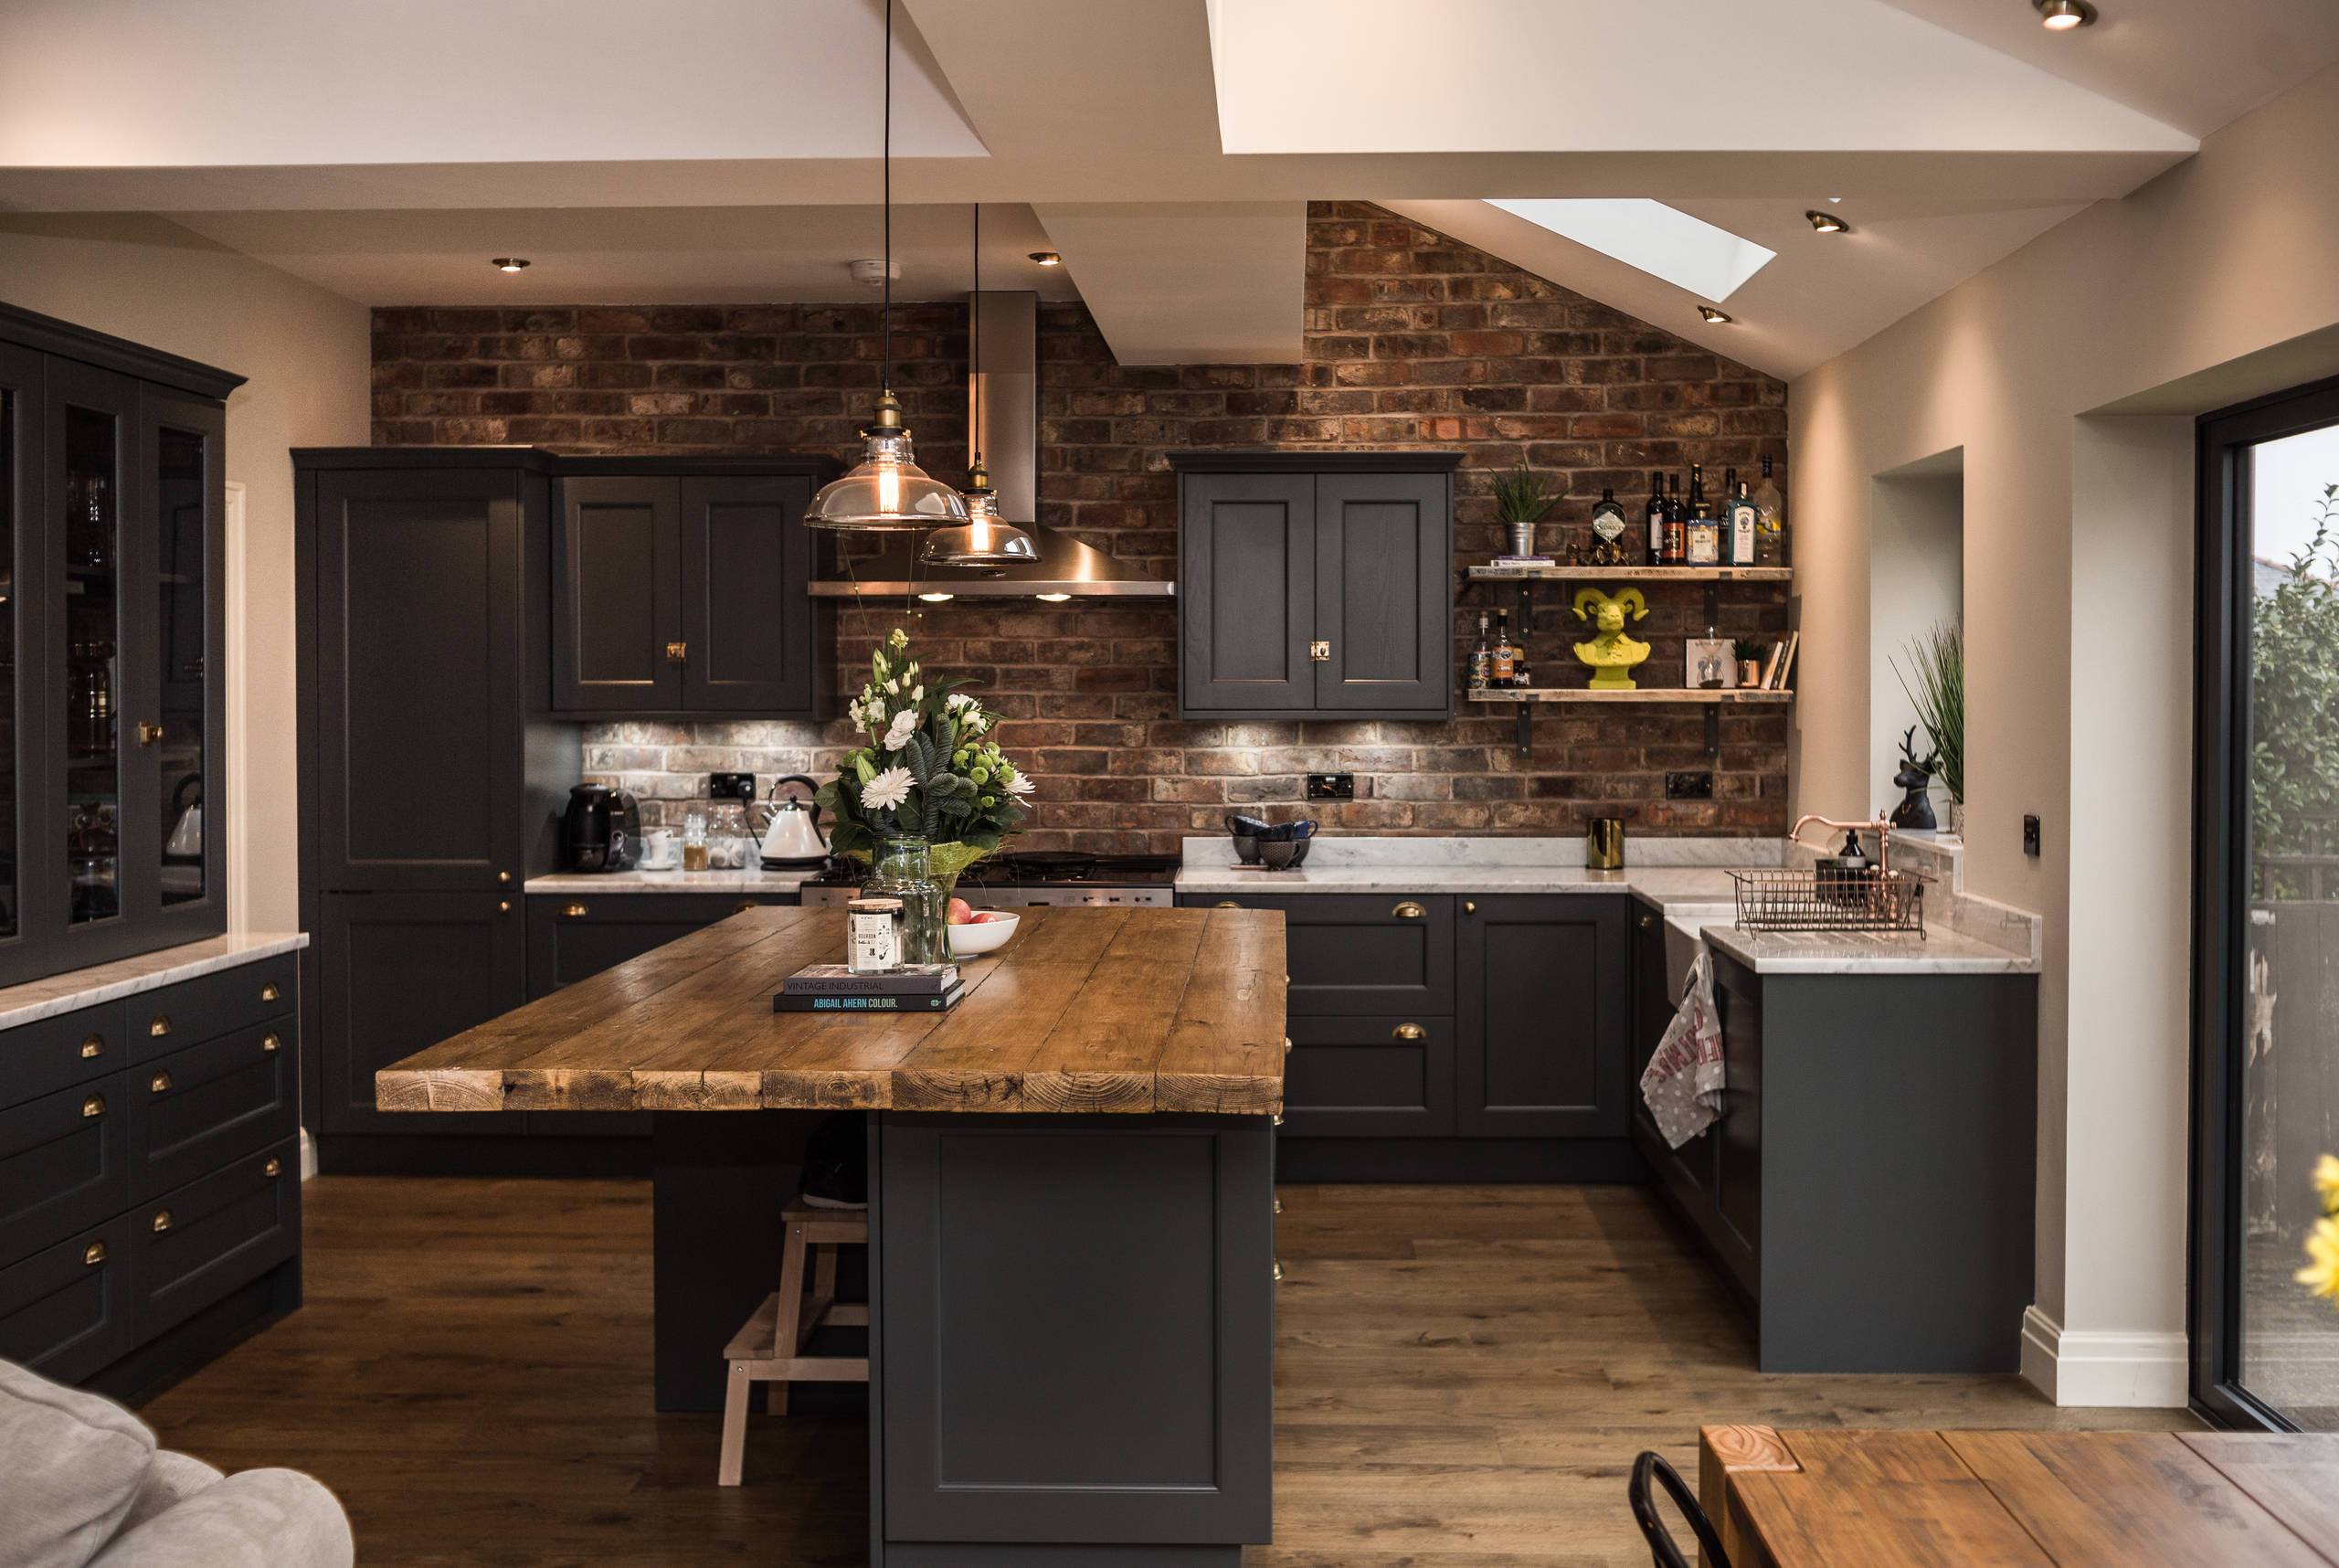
(1005, 400)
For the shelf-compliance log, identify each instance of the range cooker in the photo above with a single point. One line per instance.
(1020, 881)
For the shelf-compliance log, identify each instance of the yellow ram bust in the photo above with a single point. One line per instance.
(1611, 654)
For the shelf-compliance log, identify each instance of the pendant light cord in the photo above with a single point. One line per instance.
(975, 346)
(887, 159)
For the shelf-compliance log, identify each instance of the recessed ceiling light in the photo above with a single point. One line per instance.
(509, 263)
(1047, 257)
(1052, 598)
(937, 597)
(2062, 16)
(1712, 315)
(1828, 222)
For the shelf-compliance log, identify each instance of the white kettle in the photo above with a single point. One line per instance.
(792, 837)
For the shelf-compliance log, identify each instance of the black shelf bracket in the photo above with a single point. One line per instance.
(1713, 730)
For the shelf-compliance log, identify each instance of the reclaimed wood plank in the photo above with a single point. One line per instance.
(1724, 1452)
(2294, 1476)
(1229, 1023)
(1883, 1500)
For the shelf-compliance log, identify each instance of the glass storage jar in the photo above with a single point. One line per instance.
(905, 869)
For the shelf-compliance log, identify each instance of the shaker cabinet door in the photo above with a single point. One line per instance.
(1545, 1016)
(748, 617)
(1247, 593)
(618, 640)
(1384, 593)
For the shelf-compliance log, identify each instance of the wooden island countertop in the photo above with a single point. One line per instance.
(1084, 1010)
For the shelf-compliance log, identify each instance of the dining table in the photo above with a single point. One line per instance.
(1844, 1498)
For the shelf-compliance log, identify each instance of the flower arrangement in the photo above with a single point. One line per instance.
(927, 770)
(2322, 1273)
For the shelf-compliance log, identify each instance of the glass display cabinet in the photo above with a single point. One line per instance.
(112, 505)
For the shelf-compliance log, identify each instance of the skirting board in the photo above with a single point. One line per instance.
(2146, 1371)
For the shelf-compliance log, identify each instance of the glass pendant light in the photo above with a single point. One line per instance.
(985, 539)
(886, 491)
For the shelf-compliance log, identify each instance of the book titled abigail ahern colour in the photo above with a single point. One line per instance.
(834, 1001)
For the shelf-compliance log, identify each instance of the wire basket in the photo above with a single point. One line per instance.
(1826, 898)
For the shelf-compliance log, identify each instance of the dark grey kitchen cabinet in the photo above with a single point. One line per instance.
(1370, 1077)
(1545, 1016)
(573, 935)
(685, 591)
(112, 500)
(1316, 585)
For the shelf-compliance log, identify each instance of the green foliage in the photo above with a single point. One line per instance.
(929, 764)
(1521, 497)
(1747, 649)
(1939, 659)
(2294, 708)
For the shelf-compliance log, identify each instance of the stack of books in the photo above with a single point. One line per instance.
(834, 988)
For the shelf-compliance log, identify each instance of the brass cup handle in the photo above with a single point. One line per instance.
(1647, 921)
(1226, 904)
(94, 1105)
(1469, 906)
(159, 1084)
(503, 906)
(162, 1221)
(92, 1045)
(161, 1026)
(273, 1168)
(1409, 910)
(148, 734)
(742, 907)
(1408, 1032)
(93, 1255)
(272, 1040)
(572, 911)
(269, 993)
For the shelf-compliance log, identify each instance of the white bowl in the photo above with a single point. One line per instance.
(966, 941)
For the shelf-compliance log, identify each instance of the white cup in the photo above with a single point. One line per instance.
(661, 846)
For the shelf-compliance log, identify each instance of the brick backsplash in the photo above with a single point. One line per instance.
(1411, 341)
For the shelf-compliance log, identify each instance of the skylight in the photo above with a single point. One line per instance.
(1662, 241)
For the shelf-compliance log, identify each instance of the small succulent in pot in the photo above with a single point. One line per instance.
(1748, 653)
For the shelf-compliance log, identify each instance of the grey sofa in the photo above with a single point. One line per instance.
(82, 1485)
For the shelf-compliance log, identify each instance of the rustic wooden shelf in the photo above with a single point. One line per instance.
(1637, 694)
(1564, 573)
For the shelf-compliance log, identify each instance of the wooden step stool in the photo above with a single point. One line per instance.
(768, 1347)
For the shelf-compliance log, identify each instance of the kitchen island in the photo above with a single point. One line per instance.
(1071, 1205)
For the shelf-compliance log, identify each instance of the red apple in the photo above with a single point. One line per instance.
(985, 917)
(961, 913)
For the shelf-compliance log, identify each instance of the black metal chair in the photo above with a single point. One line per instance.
(1652, 1528)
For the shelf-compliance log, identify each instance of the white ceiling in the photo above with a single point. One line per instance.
(723, 150)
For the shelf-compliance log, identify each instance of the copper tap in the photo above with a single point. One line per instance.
(1881, 828)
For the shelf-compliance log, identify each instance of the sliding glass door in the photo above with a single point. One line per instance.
(2266, 1343)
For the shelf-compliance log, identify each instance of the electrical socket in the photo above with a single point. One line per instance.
(1331, 786)
(1688, 786)
(730, 786)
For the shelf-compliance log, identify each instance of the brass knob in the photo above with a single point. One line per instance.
(1469, 906)
(273, 1168)
(269, 993)
(272, 1040)
(503, 877)
(1319, 653)
(1278, 1268)
(1409, 910)
(94, 1254)
(503, 906)
(1279, 1205)
(1408, 1032)
(161, 1026)
(572, 911)
(148, 734)
(92, 1045)
(677, 651)
(1287, 1044)
(94, 1105)
(1227, 904)
(1647, 921)
(742, 907)
(162, 1221)
(1277, 1118)
(160, 1083)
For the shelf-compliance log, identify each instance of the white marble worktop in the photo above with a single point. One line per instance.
(1937, 951)
(773, 881)
(47, 997)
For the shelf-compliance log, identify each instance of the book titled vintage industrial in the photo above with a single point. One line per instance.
(866, 1001)
(839, 979)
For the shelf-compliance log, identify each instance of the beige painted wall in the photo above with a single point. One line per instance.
(2218, 281)
(306, 354)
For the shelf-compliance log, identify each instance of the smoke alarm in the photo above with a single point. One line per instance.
(871, 274)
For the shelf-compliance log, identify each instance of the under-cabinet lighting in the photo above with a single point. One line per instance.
(937, 597)
(1052, 598)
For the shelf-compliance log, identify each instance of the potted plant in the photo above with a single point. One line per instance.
(930, 794)
(1749, 654)
(1937, 687)
(1521, 502)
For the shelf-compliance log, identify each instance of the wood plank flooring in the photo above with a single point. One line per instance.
(1463, 1377)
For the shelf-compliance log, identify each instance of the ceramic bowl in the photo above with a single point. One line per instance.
(1246, 848)
(966, 941)
(1278, 853)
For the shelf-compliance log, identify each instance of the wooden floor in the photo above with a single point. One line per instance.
(1464, 1375)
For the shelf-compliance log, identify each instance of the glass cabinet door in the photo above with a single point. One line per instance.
(178, 747)
(20, 464)
(95, 441)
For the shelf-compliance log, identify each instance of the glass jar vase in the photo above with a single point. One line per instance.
(905, 869)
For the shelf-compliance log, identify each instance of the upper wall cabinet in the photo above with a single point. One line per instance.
(112, 526)
(681, 590)
(1316, 585)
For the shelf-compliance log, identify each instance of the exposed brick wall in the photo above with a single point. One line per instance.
(1411, 341)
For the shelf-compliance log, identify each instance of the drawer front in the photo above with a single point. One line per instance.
(575, 936)
(1370, 1077)
(1352, 954)
(55, 1054)
(196, 1242)
(161, 1022)
(65, 1311)
(64, 1162)
(193, 1111)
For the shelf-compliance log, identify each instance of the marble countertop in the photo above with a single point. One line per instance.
(1665, 885)
(1938, 952)
(772, 880)
(47, 997)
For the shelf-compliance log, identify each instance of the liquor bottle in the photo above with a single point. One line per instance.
(1482, 658)
(1677, 518)
(1655, 515)
(1745, 525)
(1520, 677)
(1769, 521)
(1498, 672)
(1703, 529)
(1608, 527)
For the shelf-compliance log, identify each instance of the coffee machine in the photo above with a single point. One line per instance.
(603, 829)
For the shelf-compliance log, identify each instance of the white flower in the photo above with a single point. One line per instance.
(904, 726)
(1019, 785)
(918, 694)
(960, 700)
(887, 791)
(894, 686)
